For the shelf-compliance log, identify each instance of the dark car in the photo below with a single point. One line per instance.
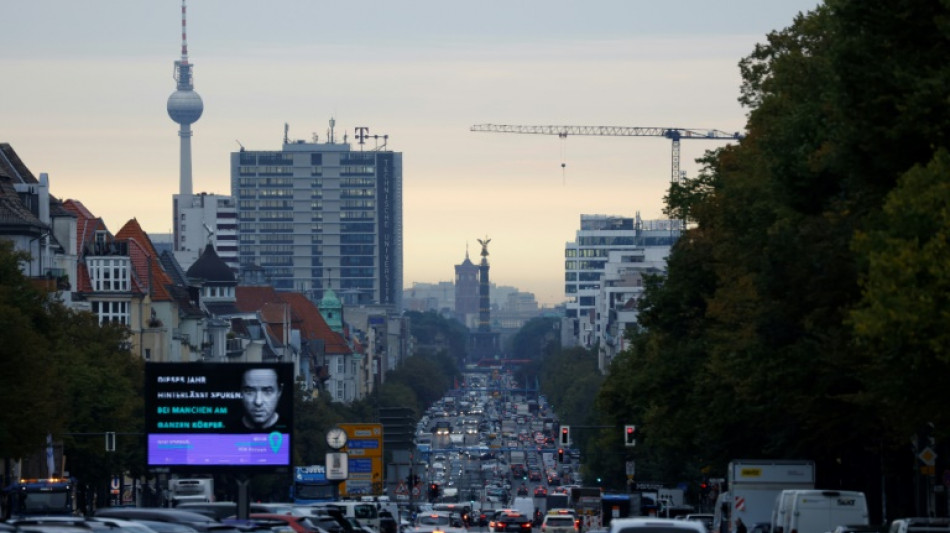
(197, 521)
(511, 522)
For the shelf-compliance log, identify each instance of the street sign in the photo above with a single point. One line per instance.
(927, 456)
(337, 466)
(631, 468)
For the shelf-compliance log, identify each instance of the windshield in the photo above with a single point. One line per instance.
(365, 511)
(43, 502)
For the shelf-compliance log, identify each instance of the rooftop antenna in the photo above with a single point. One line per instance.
(332, 139)
(239, 144)
(286, 129)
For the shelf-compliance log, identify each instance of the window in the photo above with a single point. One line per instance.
(340, 366)
(111, 311)
(109, 274)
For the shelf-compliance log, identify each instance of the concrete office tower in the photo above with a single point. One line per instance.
(315, 212)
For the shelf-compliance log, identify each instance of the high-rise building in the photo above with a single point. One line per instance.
(198, 220)
(318, 215)
(586, 258)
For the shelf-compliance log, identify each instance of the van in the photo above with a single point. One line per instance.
(820, 511)
(779, 522)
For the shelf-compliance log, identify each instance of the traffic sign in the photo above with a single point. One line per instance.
(927, 456)
(631, 468)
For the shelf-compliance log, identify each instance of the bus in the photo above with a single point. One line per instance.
(311, 485)
(50, 496)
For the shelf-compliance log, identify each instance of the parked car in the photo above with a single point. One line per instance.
(655, 525)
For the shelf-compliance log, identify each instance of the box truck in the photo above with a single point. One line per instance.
(753, 486)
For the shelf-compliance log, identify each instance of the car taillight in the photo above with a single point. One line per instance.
(527, 525)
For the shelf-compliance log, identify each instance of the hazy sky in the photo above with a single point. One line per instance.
(85, 84)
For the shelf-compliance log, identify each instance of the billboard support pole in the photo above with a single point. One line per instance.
(243, 507)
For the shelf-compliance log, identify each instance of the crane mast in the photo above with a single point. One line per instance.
(674, 134)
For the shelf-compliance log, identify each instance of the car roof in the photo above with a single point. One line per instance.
(620, 524)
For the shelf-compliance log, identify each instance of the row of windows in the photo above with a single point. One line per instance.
(358, 204)
(260, 205)
(357, 158)
(613, 240)
(250, 183)
(584, 265)
(356, 261)
(356, 215)
(357, 249)
(111, 311)
(271, 193)
(356, 238)
(270, 260)
(586, 252)
(357, 182)
(357, 227)
(357, 170)
(357, 193)
(357, 272)
(277, 249)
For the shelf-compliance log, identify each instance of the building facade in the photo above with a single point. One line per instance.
(202, 219)
(585, 263)
(314, 215)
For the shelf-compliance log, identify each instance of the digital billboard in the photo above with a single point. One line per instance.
(201, 415)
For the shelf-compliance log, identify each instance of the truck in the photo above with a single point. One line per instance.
(49, 496)
(587, 501)
(311, 485)
(197, 489)
(752, 488)
(517, 463)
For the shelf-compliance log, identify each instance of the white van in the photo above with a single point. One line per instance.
(820, 511)
(779, 522)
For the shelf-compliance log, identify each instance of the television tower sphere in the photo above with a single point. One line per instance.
(185, 107)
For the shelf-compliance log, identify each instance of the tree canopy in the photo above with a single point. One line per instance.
(802, 312)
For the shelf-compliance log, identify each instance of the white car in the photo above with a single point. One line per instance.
(438, 521)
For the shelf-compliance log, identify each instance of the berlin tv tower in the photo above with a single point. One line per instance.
(184, 107)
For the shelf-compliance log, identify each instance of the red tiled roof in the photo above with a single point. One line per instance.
(304, 315)
(145, 261)
(87, 224)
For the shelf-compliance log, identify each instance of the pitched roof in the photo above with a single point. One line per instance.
(145, 261)
(13, 214)
(209, 268)
(11, 165)
(305, 316)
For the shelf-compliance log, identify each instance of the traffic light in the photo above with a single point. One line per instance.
(630, 435)
(565, 435)
(560, 455)
(433, 491)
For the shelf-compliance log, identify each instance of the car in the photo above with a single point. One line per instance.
(558, 523)
(920, 525)
(438, 521)
(540, 491)
(511, 521)
(707, 520)
(655, 525)
(194, 520)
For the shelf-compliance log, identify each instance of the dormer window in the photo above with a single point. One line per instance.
(109, 274)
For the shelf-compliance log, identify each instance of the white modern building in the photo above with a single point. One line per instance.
(586, 260)
(203, 219)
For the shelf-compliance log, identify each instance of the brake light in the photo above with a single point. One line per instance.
(527, 525)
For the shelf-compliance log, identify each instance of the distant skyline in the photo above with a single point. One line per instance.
(87, 84)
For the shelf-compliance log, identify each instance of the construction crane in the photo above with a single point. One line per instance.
(674, 134)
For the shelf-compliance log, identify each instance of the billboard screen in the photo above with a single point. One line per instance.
(201, 415)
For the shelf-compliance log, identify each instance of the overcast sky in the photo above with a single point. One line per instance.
(86, 85)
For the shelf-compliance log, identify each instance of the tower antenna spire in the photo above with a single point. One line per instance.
(184, 33)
